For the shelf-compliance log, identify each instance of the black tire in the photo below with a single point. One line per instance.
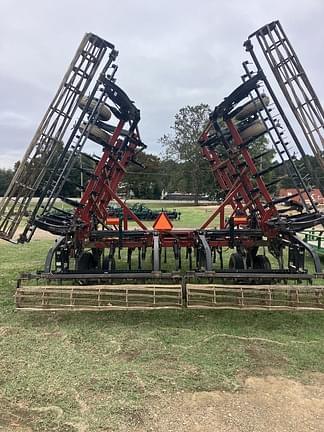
(252, 108)
(261, 262)
(103, 110)
(236, 262)
(95, 133)
(253, 130)
(86, 262)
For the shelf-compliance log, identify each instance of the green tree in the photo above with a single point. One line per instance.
(181, 146)
(78, 177)
(193, 173)
(308, 167)
(174, 175)
(5, 179)
(145, 181)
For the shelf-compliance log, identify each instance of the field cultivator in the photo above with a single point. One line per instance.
(104, 263)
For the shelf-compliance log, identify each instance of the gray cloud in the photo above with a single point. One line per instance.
(14, 119)
(172, 53)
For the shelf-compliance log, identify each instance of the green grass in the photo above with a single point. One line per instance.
(189, 218)
(64, 371)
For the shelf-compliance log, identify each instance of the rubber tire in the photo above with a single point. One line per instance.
(86, 262)
(252, 108)
(236, 262)
(261, 262)
(254, 129)
(103, 110)
(95, 133)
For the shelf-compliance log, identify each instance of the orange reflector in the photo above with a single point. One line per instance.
(240, 220)
(112, 221)
(162, 223)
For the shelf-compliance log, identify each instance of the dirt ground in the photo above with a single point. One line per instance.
(39, 235)
(265, 404)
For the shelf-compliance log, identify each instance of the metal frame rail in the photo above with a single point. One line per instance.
(39, 163)
(277, 127)
(294, 84)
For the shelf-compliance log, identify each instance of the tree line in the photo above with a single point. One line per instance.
(180, 166)
(157, 175)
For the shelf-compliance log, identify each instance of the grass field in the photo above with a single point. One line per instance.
(188, 217)
(99, 371)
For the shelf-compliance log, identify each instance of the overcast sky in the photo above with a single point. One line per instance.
(171, 54)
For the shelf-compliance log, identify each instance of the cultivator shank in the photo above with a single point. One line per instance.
(105, 263)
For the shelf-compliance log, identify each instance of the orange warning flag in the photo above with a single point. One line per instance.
(162, 223)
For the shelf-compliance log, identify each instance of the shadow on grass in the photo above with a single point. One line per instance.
(282, 324)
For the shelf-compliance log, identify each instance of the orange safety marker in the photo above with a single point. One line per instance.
(162, 223)
(112, 221)
(240, 220)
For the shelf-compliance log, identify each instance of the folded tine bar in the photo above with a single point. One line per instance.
(98, 297)
(260, 297)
